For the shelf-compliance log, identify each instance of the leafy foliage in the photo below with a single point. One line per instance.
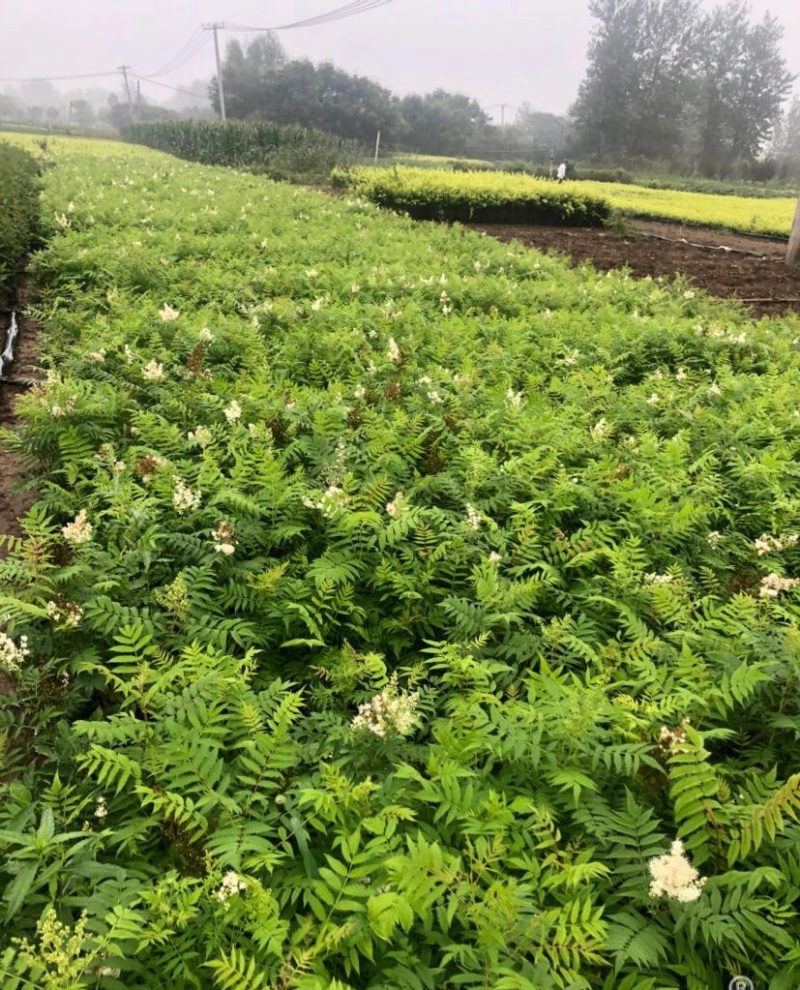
(298, 457)
(281, 151)
(19, 206)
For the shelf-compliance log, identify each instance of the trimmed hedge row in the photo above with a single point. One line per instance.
(19, 206)
(468, 197)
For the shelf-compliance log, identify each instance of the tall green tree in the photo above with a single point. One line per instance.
(632, 101)
(246, 72)
(261, 83)
(742, 82)
(442, 123)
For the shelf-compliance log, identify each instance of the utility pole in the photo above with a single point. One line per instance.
(124, 70)
(216, 26)
(503, 114)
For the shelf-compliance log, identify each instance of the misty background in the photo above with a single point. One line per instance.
(510, 57)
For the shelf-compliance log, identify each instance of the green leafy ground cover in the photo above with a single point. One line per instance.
(19, 206)
(500, 197)
(395, 600)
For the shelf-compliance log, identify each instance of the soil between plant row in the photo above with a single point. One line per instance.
(752, 268)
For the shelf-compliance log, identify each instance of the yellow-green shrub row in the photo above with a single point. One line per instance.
(497, 196)
(493, 197)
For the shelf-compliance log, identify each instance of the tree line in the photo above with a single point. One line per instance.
(260, 82)
(668, 82)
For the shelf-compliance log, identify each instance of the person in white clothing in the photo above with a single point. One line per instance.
(561, 174)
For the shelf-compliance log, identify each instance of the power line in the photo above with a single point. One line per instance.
(196, 41)
(156, 82)
(337, 14)
(191, 47)
(85, 75)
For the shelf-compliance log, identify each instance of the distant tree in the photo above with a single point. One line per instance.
(245, 72)
(10, 107)
(442, 123)
(118, 112)
(35, 114)
(261, 83)
(83, 114)
(787, 135)
(633, 100)
(741, 85)
(53, 113)
(537, 129)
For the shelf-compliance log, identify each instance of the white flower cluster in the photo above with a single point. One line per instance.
(233, 411)
(359, 392)
(600, 430)
(392, 710)
(224, 540)
(79, 530)
(672, 740)
(675, 876)
(183, 498)
(774, 544)
(332, 499)
(101, 809)
(200, 437)
(435, 397)
(514, 399)
(64, 410)
(153, 371)
(205, 336)
(64, 614)
(396, 505)
(773, 584)
(393, 351)
(168, 313)
(656, 580)
(231, 884)
(473, 520)
(11, 655)
(714, 537)
(98, 356)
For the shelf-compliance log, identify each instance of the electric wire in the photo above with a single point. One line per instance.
(156, 82)
(191, 47)
(196, 41)
(85, 75)
(337, 14)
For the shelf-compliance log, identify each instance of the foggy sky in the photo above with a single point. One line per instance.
(499, 51)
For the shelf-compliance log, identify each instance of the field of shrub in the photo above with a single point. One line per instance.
(501, 197)
(19, 206)
(401, 609)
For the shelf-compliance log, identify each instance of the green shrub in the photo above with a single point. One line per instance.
(473, 197)
(282, 152)
(19, 207)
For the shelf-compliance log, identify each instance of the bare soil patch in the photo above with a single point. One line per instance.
(730, 266)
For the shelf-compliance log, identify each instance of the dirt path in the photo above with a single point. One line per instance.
(13, 503)
(751, 270)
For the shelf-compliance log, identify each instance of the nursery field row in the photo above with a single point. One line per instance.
(401, 609)
(494, 197)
